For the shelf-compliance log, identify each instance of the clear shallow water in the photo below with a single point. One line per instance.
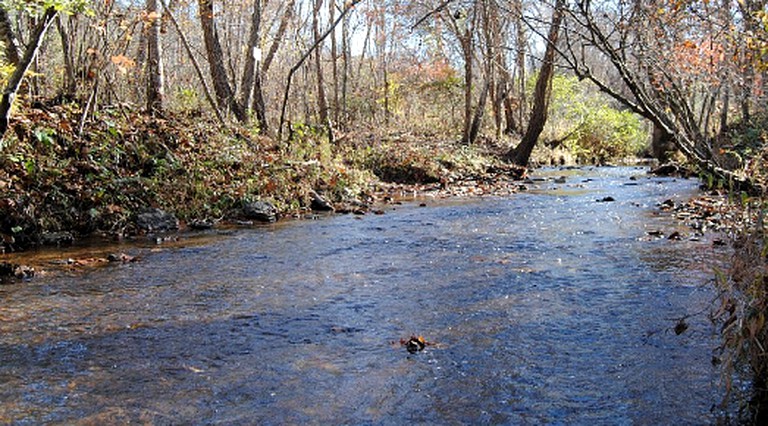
(544, 307)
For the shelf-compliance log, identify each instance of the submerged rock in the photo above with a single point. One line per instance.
(156, 220)
(261, 211)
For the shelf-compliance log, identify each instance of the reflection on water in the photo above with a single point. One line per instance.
(543, 307)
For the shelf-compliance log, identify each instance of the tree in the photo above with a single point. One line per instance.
(521, 154)
(322, 102)
(660, 65)
(225, 95)
(349, 6)
(8, 38)
(251, 92)
(155, 74)
(14, 82)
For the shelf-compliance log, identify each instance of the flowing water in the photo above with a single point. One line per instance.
(543, 307)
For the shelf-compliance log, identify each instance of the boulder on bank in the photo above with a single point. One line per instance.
(319, 203)
(57, 238)
(156, 220)
(260, 210)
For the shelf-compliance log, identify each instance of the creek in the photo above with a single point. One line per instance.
(542, 307)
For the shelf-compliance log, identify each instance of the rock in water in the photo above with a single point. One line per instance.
(156, 220)
(261, 211)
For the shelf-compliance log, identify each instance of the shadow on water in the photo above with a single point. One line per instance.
(543, 307)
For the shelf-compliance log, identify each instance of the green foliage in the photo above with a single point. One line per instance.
(186, 100)
(590, 126)
(37, 7)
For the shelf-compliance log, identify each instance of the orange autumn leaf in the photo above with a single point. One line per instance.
(123, 63)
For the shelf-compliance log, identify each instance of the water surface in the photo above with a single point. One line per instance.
(543, 307)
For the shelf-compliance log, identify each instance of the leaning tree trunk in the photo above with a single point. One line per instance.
(14, 82)
(522, 153)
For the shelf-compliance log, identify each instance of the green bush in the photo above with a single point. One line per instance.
(589, 126)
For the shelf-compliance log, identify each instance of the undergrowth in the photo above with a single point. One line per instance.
(743, 310)
(54, 178)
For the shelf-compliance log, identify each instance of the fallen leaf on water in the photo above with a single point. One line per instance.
(414, 343)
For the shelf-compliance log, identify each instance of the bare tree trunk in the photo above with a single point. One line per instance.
(466, 48)
(279, 35)
(259, 105)
(251, 92)
(70, 85)
(520, 61)
(249, 70)
(509, 114)
(662, 144)
(14, 82)
(8, 37)
(195, 65)
(724, 111)
(345, 53)
(334, 56)
(477, 119)
(224, 94)
(322, 103)
(489, 30)
(155, 74)
(522, 153)
(349, 6)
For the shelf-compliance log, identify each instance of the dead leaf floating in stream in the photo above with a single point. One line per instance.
(414, 344)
